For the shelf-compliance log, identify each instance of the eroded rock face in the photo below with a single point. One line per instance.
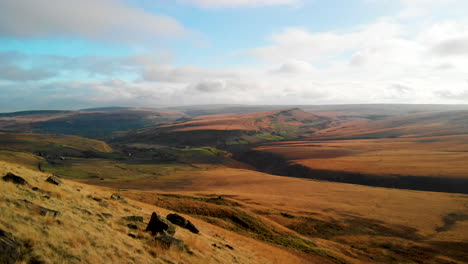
(10, 250)
(182, 222)
(10, 177)
(160, 225)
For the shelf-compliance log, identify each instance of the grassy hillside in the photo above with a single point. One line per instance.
(92, 123)
(229, 130)
(50, 143)
(90, 229)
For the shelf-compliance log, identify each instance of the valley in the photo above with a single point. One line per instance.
(310, 187)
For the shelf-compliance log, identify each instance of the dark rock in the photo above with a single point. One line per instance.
(229, 246)
(10, 251)
(191, 227)
(170, 242)
(116, 196)
(10, 177)
(182, 222)
(97, 199)
(159, 224)
(287, 215)
(54, 180)
(132, 235)
(84, 211)
(133, 218)
(41, 191)
(216, 246)
(42, 210)
(132, 226)
(177, 220)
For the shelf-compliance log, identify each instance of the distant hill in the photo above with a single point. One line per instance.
(227, 130)
(93, 123)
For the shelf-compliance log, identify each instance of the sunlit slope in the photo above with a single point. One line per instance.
(232, 129)
(411, 125)
(363, 224)
(49, 142)
(90, 229)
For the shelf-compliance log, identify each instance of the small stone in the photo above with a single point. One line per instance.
(132, 226)
(116, 196)
(106, 215)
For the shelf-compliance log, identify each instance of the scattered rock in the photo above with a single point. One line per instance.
(10, 177)
(229, 246)
(97, 199)
(170, 242)
(116, 196)
(133, 218)
(84, 211)
(159, 224)
(47, 193)
(216, 246)
(287, 215)
(10, 251)
(106, 215)
(132, 235)
(42, 210)
(54, 180)
(132, 226)
(182, 222)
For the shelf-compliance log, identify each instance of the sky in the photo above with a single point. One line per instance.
(68, 54)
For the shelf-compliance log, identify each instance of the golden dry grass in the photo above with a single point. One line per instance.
(78, 237)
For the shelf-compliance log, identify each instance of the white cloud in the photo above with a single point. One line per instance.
(108, 20)
(239, 3)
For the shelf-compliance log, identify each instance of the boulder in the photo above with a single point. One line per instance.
(133, 218)
(10, 251)
(160, 225)
(182, 222)
(54, 180)
(170, 242)
(10, 177)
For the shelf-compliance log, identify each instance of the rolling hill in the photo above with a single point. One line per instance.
(229, 130)
(92, 123)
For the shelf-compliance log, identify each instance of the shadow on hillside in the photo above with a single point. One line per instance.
(276, 164)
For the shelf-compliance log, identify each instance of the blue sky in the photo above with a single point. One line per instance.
(57, 54)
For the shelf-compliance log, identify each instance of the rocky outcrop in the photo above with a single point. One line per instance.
(182, 222)
(160, 225)
(10, 177)
(10, 250)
